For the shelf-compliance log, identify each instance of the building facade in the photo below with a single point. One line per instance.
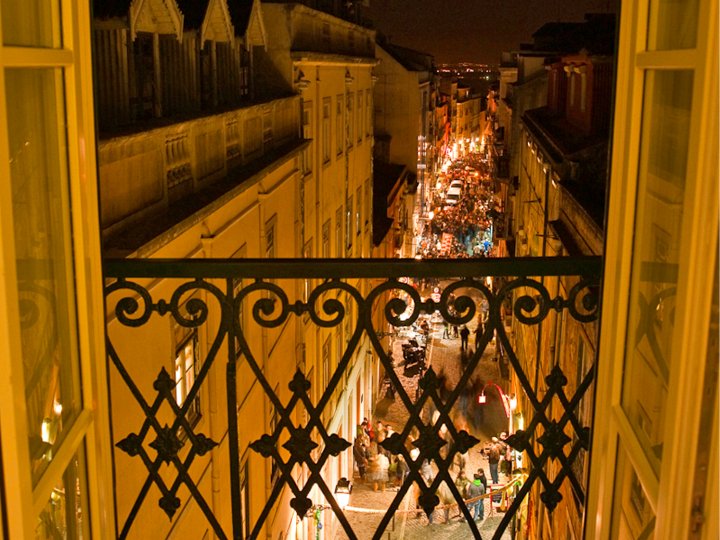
(283, 169)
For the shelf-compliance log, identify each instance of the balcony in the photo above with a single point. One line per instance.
(285, 345)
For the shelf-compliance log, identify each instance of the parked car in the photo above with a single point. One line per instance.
(452, 196)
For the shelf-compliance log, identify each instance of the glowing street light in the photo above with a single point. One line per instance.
(482, 398)
(343, 489)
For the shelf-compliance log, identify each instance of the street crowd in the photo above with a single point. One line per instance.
(464, 229)
(382, 470)
(459, 230)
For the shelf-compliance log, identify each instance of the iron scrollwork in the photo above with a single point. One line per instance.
(333, 303)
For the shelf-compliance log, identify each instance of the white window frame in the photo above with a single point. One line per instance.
(90, 430)
(670, 492)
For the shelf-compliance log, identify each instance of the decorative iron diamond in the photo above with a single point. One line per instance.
(429, 441)
(554, 439)
(300, 444)
(465, 441)
(167, 444)
(170, 504)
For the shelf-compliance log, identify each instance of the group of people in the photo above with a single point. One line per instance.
(468, 224)
(499, 456)
(375, 464)
(381, 470)
(471, 491)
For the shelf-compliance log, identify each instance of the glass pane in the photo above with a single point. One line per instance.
(43, 246)
(633, 517)
(31, 23)
(65, 514)
(658, 237)
(673, 24)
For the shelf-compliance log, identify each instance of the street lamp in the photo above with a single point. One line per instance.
(343, 489)
(482, 398)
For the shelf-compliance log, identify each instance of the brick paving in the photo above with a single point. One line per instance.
(367, 507)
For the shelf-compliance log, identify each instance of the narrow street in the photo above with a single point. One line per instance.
(460, 225)
(367, 507)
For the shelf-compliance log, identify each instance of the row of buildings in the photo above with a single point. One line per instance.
(239, 130)
(550, 116)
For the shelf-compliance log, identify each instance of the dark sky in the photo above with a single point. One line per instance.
(473, 30)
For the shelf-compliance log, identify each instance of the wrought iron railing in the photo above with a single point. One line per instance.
(358, 290)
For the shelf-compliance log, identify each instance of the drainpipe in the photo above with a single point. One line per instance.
(206, 240)
(542, 278)
(542, 284)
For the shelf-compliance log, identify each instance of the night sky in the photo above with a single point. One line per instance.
(473, 30)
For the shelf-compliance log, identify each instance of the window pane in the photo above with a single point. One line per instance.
(43, 247)
(633, 517)
(65, 514)
(673, 24)
(31, 23)
(658, 238)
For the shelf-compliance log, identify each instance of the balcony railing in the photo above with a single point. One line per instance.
(246, 305)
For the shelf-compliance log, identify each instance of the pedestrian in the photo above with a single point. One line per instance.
(461, 483)
(401, 471)
(381, 475)
(446, 333)
(380, 432)
(426, 472)
(478, 335)
(464, 334)
(493, 457)
(359, 454)
(446, 500)
(475, 489)
(459, 461)
(483, 478)
(506, 455)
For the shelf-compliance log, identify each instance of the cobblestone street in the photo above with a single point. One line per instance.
(367, 507)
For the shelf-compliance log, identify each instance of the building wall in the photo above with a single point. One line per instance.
(550, 222)
(336, 88)
(314, 207)
(143, 174)
(398, 108)
(237, 229)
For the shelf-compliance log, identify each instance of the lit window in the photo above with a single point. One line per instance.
(326, 130)
(339, 124)
(358, 210)
(186, 368)
(349, 225)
